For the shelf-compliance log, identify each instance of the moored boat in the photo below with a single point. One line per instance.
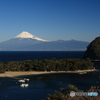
(21, 80)
(24, 85)
(26, 79)
(82, 73)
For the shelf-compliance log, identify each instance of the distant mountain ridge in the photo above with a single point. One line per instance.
(61, 45)
(28, 42)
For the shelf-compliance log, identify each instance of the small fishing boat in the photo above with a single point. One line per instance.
(26, 79)
(82, 73)
(24, 85)
(21, 80)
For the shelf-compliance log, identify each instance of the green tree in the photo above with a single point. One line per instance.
(1, 68)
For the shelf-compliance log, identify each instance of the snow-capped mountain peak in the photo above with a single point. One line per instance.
(25, 34)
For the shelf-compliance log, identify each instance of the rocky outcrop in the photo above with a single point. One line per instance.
(93, 50)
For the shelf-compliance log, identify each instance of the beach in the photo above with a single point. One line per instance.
(20, 73)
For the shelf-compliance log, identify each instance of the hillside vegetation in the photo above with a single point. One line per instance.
(93, 50)
(47, 65)
(64, 94)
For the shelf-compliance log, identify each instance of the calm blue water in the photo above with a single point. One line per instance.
(41, 85)
(30, 55)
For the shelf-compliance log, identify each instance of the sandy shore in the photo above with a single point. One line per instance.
(12, 74)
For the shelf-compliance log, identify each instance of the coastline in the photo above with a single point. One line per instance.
(20, 73)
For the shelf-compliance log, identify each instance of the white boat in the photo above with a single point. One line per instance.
(21, 80)
(26, 79)
(82, 73)
(24, 85)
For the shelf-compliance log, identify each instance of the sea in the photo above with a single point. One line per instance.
(42, 85)
(39, 55)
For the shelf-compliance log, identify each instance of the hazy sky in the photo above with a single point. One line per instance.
(50, 19)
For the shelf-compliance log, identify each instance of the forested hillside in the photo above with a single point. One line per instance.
(70, 64)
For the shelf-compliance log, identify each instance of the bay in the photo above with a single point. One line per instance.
(41, 85)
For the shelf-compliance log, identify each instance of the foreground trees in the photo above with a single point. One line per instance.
(47, 65)
(64, 94)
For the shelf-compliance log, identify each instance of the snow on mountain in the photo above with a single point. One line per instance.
(28, 35)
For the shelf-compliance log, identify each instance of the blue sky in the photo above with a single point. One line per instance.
(50, 19)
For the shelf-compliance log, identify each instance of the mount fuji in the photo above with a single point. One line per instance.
(28, 42)
(20, 41)
(27, 35)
